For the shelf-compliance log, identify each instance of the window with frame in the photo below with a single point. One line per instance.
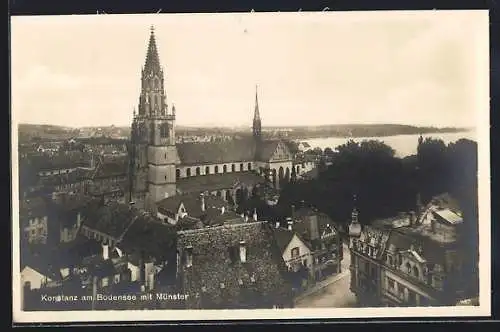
(416, 272)
(164, 130)
(391, 284)
(295, 252)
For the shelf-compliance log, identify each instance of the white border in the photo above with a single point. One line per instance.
(484, 309)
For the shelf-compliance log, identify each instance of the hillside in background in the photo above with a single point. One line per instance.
(33, 132)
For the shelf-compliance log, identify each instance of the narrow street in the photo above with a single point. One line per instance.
(333, 292)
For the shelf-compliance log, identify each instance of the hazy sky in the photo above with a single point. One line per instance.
(418, 68)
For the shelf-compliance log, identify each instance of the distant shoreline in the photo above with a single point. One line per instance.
(382, 136)
(50, 132)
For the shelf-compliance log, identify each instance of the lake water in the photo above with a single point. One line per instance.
(404, 145)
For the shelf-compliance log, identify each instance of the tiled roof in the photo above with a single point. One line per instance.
(65, 178)
(150, 237)
(235, 150)
(101, 141)
(229, 217)
(112, 219)
(432, 252)
(34, 207)
(301, 226)
(221, 152)
(283, 237)
(39, 163)
(188, 223)
(217, 181)
(110, 168)
(449, 216)
(217, 279)
(192, 204)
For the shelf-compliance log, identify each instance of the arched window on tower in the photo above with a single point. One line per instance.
(164, 130)
(152, 133)
(216, 169)
(188, 172)
(241, 167)
(197, 171)
(177, 173)
(224, 169)
(233, 168)
(207, 170)
(249, 166)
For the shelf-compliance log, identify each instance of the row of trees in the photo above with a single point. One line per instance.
(383, 183)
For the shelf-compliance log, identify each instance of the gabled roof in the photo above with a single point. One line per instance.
(230, 151)
(34, 207)
(432, 252)
(192, 204)
(283, 237)
(111, 168)
(237, 150)
(37, 163)
(112, 219)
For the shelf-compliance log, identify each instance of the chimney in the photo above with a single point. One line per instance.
(202, 198)
(105, 251)
(243, 252)
(290, 224)
(189, 256)
(255, 214)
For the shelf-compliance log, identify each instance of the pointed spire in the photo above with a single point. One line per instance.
(256, 115)
(152, 58)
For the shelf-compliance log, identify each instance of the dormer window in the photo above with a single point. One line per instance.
(189, 256)
(416, 272)
(243, 252)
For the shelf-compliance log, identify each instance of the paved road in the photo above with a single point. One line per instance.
(336, 294)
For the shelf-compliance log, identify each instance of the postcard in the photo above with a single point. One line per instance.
(250, 166)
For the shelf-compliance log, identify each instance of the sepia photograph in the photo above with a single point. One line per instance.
(250, 166)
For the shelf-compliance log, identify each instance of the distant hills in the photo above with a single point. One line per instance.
(30, 132)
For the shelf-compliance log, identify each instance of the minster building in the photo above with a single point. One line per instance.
(161, 168)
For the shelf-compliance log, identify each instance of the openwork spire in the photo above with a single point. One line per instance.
(256, 114)
(152, 58)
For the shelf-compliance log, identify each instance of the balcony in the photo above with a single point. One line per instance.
(297, 259)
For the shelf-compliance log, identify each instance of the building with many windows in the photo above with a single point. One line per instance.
(413, 259)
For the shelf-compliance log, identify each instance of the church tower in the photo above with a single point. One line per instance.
(153, 137)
